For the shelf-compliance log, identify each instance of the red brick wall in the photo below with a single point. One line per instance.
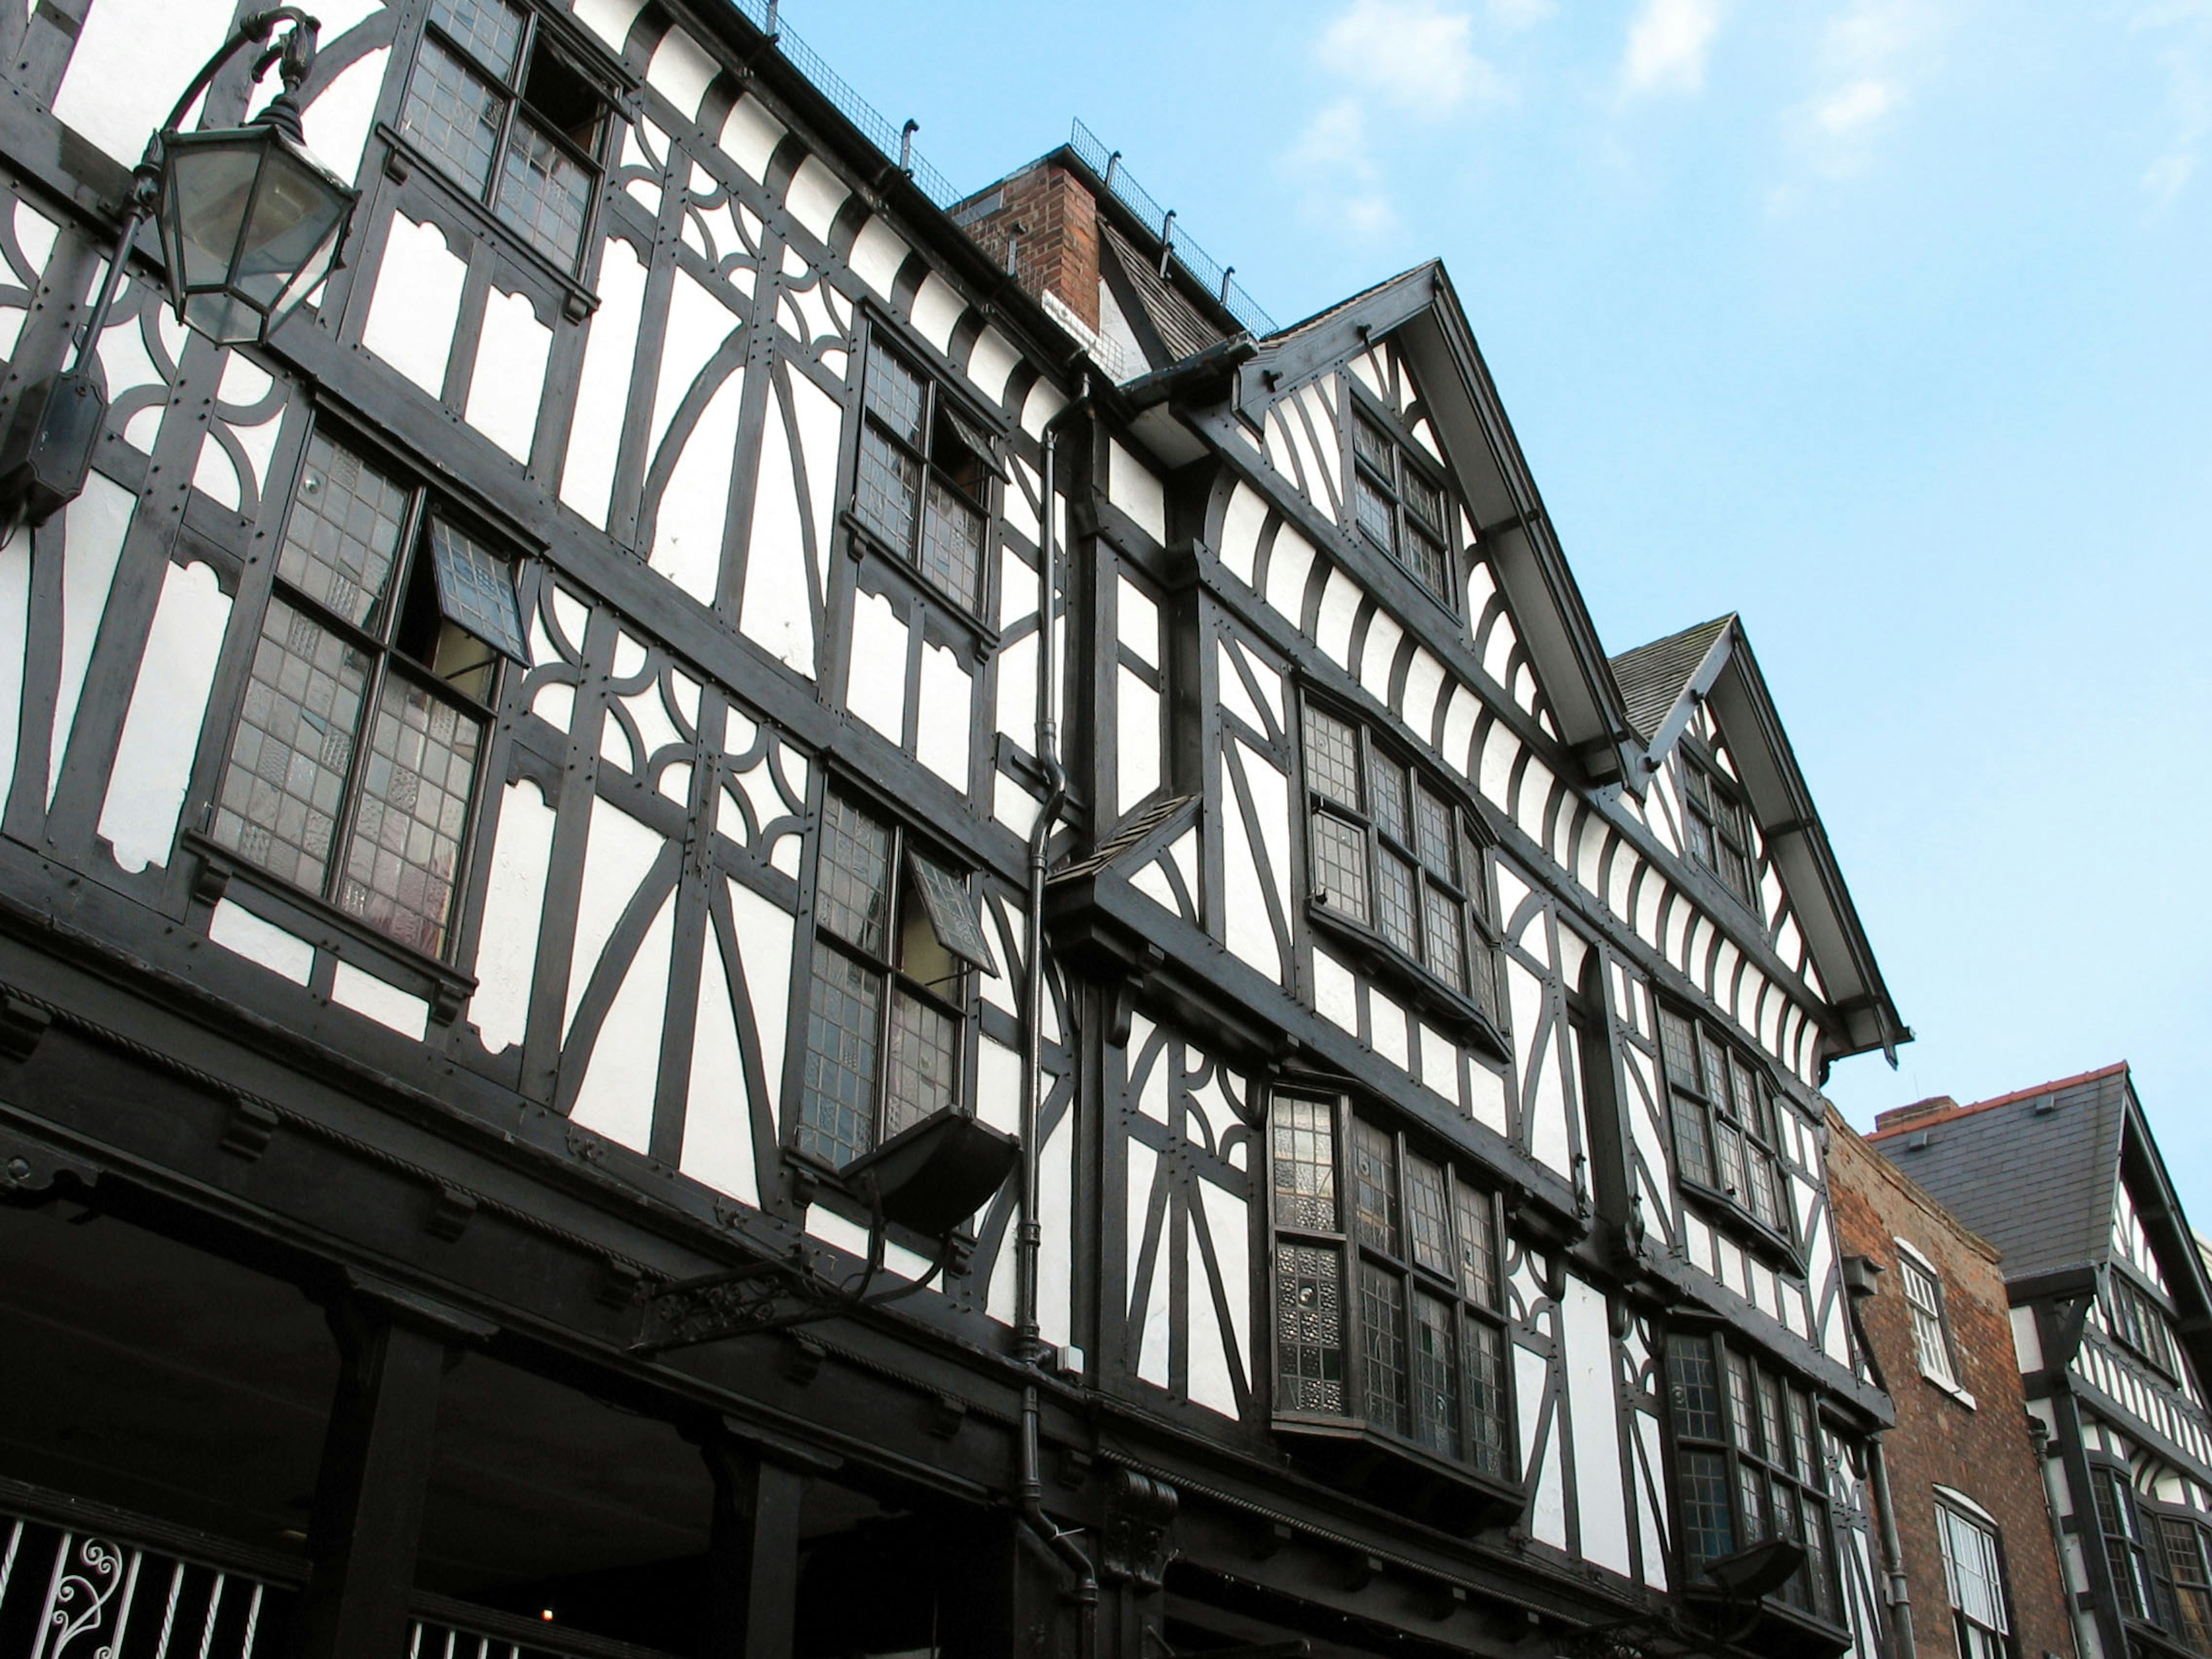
(1984, 1450)
(1059, 246)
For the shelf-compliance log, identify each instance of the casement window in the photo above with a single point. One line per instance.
(1931, 1331)
(2127, 1544)
(355, 763)
(925, 473)
(1748, 1465)
(1390, 854)
(896, 933)
(1715, 825)
(2138, 1323)
(517, 125)
(1727, 1134)
(1389, 1308)
(1973, 1573)
(2189, 1571)
(1399, 505)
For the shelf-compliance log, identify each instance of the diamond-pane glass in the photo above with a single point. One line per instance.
(1332, 759)
(343, 537)
(285, 781)
(922, 1062)
(1306, 1165)
(414, 809)
(1424, 556)
(1339, 861)
(1383, 1347)
(491, 30)
(837, 1111)
(1374, 445)
(1680, 1047)
(476, 591)
(852, 894)
(1309, 1329)
(951, 910)
(1371, 509)
(544, 192)
(1741, 1416)
(454, 112)
(1422, 499)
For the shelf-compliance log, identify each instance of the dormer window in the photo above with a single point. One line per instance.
(2138, 1323)
(1715, 824)
(510, 119)
(1399, 505)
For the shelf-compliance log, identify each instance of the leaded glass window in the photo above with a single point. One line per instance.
(1399, 504)
(2126, 1552)
(514, 123)
(1390, 853)
(1727, 1121)
(1716, 824)
(2136, 1318)
(1746, 1466)
(2189, 1572)
(1419, 1353)
(894, 934)
(923, 487)
(352, 770)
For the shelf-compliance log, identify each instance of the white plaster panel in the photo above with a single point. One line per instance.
(681, 71)
(777, 612)
(816, 194)
(1340, 608)
(1137, 621)
(509, 378)
(1377, 653)
(944, 717)
(380, 1000)
(749, 136)
(514, 904)
(1153, 1316)
(616, 1097)
(417, 303)
(718, 1112)
(1548, 1520)
(1137, 746)
(261, 943)
(609, 19)
(1424, 678)
(617, 855)
(1241, 524)
(1336, 993)
(1227, 1227)
(94, 525)
(1386, 1025)
(1494, 773)
(131, 60)
(587, 479)
(1439, 1063)
(1056, 1224)
(875, 685)
(1601, 1494)
(989, 363)
(1289, 563)
(161, 733)
(692, 518)
(1134, 488)
(15, 629)
(937, 310)
(1045, 401)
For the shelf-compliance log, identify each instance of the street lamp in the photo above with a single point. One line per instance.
(250, 222)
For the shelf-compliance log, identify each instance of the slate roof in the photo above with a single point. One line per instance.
(2033, 1172)
(1174, 318)
(1305, 325)
(1652, 677)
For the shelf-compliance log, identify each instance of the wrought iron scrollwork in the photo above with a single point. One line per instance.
(86, 1581)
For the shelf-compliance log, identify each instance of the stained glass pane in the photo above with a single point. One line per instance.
(1306, 1165)
(923, 1062)
(837, 1103)
(453, 113)
(544, 192)
(476, 591)
(1332, 759)
(1435, 1377)
(1309, 1329)
(2192, 1585)
(889, 489)
(414, 810)
(1696, 1385)
(343, 537)
(1426, 1221)
(1478, 1246)
(285, 781)
(1393, 902)
(952, 546)
(1375, 1187)
(490, 29)
(852, 897)
(1383, 1346)
(1339, 865)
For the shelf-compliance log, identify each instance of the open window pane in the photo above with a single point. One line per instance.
(1375, 1187)
(1339, 861)
(952, 913)
(1426, 1222)
(476, 591)
(1332, 759)
(1435, 1377)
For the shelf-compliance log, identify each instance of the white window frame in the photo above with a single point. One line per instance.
(1930, 1322)
(1959, 1520)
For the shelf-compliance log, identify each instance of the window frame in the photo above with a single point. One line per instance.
(1953, 1511)
(2189, 1601)
(412, 569)
(958, 1005)
(1407, 455)
(940, 398)
(1359, 1255)
(2138, 1322)
(538, 32)
(1720, 819)
(1915, 1270)
(1477, 1002)
(1697, 1102)
(2137, 1574)
(1816, 1591)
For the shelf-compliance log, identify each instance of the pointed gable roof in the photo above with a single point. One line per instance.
(1658, 678)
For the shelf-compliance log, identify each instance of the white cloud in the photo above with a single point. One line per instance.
(1409, 54)
(1872, 54)
(2188, 96)
(1667, 43)
(1343, 186)
(1515, 15)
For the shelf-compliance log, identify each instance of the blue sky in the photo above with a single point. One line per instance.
(1885, 323)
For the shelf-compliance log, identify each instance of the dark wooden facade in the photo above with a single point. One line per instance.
(1433, 1246)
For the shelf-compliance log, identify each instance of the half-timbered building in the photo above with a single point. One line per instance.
(2111, 1312)
(750, 911)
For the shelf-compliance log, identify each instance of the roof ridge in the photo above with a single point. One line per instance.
(1951, 1117)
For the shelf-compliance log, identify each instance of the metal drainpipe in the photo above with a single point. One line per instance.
(1892, 1550)
(1028, 1348)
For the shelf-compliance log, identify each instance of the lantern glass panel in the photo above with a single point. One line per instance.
(293, 216)
(211, 186)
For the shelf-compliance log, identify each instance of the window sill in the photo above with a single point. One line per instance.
(1726, 1211)
(329, 929)
(1778, 1628)
(1945, 1385)
(861, 541)
(1460, 1015)
(1361, 536)
(1410, 1480)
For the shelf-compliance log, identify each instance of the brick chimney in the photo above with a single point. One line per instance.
(1920, 1111)
(1055, 247)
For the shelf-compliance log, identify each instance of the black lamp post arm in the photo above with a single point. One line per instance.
(295, 57)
